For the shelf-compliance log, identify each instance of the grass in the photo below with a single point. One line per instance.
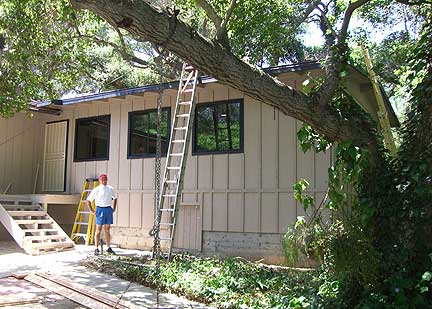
(223, 283)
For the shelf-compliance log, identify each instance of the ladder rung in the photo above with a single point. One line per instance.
(188, 90)
(182, 115)
(178, 141)
(167, 224)
(167, 209)
(173, 167)
(185, 103)
(84, 212)
(169, 195)
(176, 154)
(82, 223)
(181, 128)
(165, 238)
(171, 181)
(189, 67)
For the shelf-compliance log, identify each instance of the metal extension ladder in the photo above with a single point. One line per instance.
(172, 184)
(84, 223)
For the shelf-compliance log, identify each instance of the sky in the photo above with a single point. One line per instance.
(313, 35)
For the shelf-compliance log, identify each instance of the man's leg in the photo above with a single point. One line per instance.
(98, 234)
(97, 237)
(107, 230)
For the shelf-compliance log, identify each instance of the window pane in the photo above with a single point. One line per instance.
(234, 114)
(143, 132)
(205, 133)
(218, 127)
(92, 138)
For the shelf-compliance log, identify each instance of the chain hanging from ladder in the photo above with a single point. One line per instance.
(155, 231)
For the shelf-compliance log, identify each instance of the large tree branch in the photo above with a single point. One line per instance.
(121, 50)
(211, 13)
(152, 24)
(413, 2)
(336, 51)
(220, 24)
(309, 9)
(228, 15)
(333, 63)
(347, 18)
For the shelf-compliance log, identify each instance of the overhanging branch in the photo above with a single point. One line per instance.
(151, 24)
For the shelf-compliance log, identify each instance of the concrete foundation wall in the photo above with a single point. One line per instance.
(254, 246)
(131, 238)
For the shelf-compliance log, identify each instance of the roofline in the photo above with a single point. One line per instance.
(275, 70)
(298, 67)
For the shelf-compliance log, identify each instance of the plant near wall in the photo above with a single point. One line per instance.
(303, 240)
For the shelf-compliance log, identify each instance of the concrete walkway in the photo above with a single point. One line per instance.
(14, 260)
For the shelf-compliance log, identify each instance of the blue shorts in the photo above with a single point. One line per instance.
(104, 215)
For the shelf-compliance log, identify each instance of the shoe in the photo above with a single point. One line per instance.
(110, 251)
(97, 251)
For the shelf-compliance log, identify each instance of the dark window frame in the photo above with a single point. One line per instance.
(196, 152)
(143, 112)
(106, 158)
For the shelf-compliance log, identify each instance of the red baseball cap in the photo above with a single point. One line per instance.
(103, 177)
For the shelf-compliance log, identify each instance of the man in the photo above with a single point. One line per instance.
(106, 203)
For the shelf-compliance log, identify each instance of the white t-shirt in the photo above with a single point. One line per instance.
(103, 195)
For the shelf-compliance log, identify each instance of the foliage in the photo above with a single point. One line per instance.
(230, 283)
(376, 253)
(52, 50)
(260, 31)
(303, 241)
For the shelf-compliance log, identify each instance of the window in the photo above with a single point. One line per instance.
(92, 138)
(143, 133)
(219, 127)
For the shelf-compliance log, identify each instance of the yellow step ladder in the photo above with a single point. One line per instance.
(84, 224)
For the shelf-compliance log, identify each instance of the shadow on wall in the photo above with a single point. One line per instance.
(64, 215)
(4, 234)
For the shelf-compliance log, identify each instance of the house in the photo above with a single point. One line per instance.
(242, 164)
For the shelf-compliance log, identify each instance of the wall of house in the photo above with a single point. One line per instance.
(21, 152)
(235, 204)
(228, 199)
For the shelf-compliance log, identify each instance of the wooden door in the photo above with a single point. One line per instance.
(54, 165)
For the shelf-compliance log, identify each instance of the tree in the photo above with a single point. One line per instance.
(214, 57)
(228, 40)
(48, 49)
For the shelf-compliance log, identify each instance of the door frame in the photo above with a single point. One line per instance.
(66, 155)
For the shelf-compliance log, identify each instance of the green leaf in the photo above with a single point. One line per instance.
(427, 276)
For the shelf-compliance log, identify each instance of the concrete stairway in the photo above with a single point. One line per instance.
(31, 226)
